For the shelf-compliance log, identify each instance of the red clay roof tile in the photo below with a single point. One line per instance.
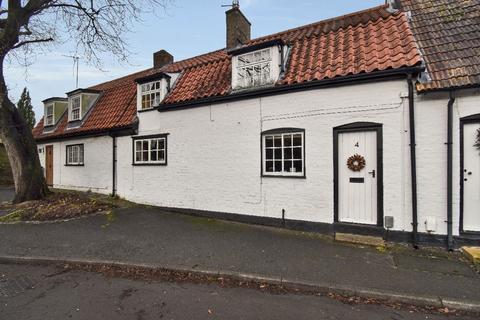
(362, 42)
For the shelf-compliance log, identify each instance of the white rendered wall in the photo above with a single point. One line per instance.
(214, 153)
(95, 175)
(431, 112)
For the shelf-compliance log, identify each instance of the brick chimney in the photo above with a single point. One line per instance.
(238, 27)
(161, 58)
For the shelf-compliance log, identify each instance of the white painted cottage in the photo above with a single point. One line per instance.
(364, 123)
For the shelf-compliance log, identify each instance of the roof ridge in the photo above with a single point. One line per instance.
(214, 60)
(120, 78)
(397, 15)
(383, 6)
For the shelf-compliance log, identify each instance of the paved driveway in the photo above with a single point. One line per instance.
(6, 194)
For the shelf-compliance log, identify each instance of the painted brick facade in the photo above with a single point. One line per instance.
(95, 175)
(214, 157)
(431, 112)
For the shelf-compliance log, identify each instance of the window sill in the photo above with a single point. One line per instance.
(254, 88)
(284, 176)
(147, 110)
(148, 164)
(74, 165)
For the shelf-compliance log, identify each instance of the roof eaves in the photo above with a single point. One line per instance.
(255, 47)
(309, 85)
(152, 77)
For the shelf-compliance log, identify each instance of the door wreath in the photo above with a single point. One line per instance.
(356, 163)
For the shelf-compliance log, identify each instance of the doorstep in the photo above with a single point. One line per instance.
(472, 253)
(360, 239)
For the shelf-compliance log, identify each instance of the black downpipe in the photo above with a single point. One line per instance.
(450, 172)
(114, 166)
(413, 161)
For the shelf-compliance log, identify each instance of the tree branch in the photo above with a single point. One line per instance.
(22, 43)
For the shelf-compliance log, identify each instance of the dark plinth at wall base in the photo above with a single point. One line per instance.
(424, 239)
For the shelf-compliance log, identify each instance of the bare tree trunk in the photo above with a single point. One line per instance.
(21, 149)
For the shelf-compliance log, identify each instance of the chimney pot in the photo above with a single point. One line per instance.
(238, 27)
(161, 58)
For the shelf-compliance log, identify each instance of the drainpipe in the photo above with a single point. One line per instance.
(114, 165)
(413, 161)
(450, 172)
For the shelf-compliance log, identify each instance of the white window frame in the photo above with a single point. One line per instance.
(75, 155)
(155, 94)
(150, 141)
(283, 147)
(49, 122)
(71, 110)
(268, 56)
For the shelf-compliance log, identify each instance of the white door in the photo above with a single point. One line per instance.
(471, 178)
(357, 186)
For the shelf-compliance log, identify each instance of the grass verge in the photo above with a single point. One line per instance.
(59, 205)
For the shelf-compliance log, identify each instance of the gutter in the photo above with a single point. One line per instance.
(413, 160)
(114, 165)
(450, 173)
(338, 81)
(123, 131)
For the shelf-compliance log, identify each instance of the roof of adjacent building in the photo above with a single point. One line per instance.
(448, 35)
(364, 42)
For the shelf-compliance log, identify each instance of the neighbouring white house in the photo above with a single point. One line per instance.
(365, 123)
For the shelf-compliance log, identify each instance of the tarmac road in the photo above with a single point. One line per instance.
(47, 292)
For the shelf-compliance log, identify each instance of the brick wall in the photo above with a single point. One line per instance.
(95, 175)
(214, 154)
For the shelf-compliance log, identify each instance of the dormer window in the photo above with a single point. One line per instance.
(151, 90)
(75, 108)
(151, 94)
(80, 102)
(49, 115)
(54, 109)
(257, 66)
(254, 69)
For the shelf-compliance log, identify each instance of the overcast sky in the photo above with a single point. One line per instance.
(186, 29)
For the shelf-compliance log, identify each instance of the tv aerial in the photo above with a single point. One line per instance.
(76, 63)
(235, 4)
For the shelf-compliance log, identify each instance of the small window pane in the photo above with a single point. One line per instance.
(278, 141)
(269, 166)
(278, 166)
(278, 154)
(287, 140)
(297, 140)
(297, 153)
(269, 154)
(153, 156)
(287, 154)
(288, 166)
(269, 141)
(161, 155)
(298, 166)
(161, 144)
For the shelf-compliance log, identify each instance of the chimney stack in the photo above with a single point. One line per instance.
(238, 27)
(161, 58)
